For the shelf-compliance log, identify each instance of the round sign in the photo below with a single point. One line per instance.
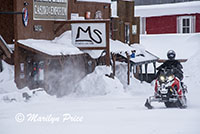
(25, 16)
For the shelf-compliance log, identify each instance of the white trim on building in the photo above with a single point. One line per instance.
(186, 24)
(142, 25)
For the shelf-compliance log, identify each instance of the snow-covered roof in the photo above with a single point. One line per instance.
(59, 46)
(168, 9)
(141, 54)
(62, 45)
(6, 45)
(99, 1)
(119, 47)
(185, 45)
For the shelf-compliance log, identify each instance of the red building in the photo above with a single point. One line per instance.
(169, 18)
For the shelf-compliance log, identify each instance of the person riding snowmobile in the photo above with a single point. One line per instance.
(172, 63)
(168, 86)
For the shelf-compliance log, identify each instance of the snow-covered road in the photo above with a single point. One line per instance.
(107, 115)
(101, 106)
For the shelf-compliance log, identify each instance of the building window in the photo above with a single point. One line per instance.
(127, 33)
(186, 24)
(98, 15)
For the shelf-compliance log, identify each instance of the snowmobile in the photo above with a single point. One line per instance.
(168, 89)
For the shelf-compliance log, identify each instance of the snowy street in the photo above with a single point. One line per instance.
(100, 105)
(109, 114)
(100, 67)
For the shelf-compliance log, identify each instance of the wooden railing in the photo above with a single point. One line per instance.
(180, 60)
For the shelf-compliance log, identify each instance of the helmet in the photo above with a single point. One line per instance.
(171, 55)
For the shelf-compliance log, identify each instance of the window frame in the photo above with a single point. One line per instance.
(191, 25)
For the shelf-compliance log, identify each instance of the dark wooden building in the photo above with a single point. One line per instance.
(12, 27)
(124, 25)
(39, 19)
(47, 19)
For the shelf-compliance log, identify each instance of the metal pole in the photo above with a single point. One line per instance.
(11, 12)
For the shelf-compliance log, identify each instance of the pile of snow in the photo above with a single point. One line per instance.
(135, 87)
(7, 84)
(168, 9)
(192, 80)
(185, 45)
(59, 46)
(8, 90)
(192, 67)
(97, 83)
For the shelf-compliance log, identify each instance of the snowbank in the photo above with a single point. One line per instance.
(136, 87)
(191, 78)
(97, 83)
(7, 84)
(185, 45)
(8, 89)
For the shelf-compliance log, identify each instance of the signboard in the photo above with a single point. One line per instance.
(89, 34)
(38, 28)
(50, 10)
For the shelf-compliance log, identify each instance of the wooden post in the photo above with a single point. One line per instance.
(141, 76)
(107, 44)
(154, 65)
(128, 72)
(146, 66)
(113, 59)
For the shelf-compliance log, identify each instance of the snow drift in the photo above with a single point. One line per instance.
(185, 45)
(97, 83)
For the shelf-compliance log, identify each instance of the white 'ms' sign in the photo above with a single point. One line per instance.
(89, 34)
